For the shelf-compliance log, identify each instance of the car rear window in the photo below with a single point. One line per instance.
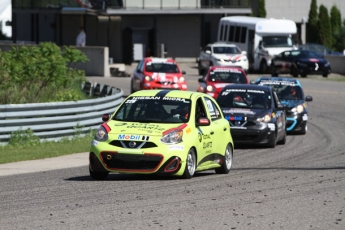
(161, 67)
(227, 76)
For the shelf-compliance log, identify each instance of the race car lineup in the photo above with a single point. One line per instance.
(162, 128)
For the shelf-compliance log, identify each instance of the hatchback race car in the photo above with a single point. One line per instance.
(255, 114)
(300, 62)
(219, 76)
(165, 132)
(291, 95)
(222, 54)
(158, 73)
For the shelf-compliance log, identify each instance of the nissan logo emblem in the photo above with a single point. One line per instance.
(132, 144)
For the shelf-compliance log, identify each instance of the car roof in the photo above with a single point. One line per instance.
(157, 59)
(223, 44)
(168, 93)
(247, 86)
(278, 79)
(214, 67)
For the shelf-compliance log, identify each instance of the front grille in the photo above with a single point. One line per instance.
(138, 144)
(131, 161)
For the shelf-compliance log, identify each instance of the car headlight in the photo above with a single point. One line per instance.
(148, 78)
(298, 109)
(265, 119)
(101, 134)
(210, 88)
(301, 64)
(173, 137)
(181, 80)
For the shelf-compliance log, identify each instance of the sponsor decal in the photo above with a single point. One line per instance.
(276, 82)
(305, 117)
(207, 145)
(313, 60)
(128, 137)
(238, 110)
(220, 85)
(145, 138)
(176, 147)
(94, 143)
(181, 127)
(235, 118)
(188, 130)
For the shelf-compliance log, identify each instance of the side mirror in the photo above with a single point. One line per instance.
(208, 51)
(105, 117)
(203, 121)
(261, 46)
(308, 98)
(183, 72)
(202, 80)
(244, 52)
(139, 70)
(252, 82)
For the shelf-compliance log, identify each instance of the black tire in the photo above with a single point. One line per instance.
(226, 161)
(294, 71)
(304, 129)
(263, 67)
(325, 75)
(304, 75)
(283, 140)
(189, 170)
(200, 70)
(98, 175)
(273, 141)
(274, 71)
(132, 90)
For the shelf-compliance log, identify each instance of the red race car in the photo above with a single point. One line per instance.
(219, 76)
(158, 73)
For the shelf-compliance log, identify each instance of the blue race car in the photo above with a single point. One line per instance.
(291, 95)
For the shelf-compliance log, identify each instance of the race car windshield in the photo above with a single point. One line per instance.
(154, 109)
(245, 99)
(228, 77)
(161, 67)
(226, 50)
(289, 92)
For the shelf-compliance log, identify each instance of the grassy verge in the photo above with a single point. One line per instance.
(10, 153)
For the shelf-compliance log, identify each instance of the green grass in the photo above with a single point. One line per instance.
(15, 153)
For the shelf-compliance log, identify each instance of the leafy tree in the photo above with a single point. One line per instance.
(339, 38)
(312, 30)
(43, 73)
(325, 31)
(336, 25)
(261, 9)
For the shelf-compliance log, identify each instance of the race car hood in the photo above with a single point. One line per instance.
(139, 131)
(306, 60)
(166, 77)
(291, 103)
(250, 114)
(231, 57)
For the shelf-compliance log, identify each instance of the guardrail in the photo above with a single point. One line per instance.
(56, 120)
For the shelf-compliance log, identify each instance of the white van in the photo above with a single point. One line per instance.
(262, 38)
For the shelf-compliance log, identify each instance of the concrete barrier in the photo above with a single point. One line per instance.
(337, 63)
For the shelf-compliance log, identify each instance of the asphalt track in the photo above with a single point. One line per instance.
(300, 185)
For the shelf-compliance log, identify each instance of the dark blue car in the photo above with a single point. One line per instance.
(255, 114)
(291, 95)
(299, 62)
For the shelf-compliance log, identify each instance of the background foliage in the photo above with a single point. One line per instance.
(43, 73)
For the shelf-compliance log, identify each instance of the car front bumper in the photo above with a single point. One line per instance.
(296, 122)
(261, 133)
(169, 159)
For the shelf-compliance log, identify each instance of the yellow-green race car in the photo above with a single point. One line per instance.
(165, 132)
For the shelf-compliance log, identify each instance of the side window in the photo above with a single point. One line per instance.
(213, 109)
(243, 34)
(237, 34)
(221, 33)
(200, 109)
(225, 33)
(231, 34)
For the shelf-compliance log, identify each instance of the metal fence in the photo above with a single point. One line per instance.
(56, 120)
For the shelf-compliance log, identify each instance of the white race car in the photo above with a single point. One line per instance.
(222, 54)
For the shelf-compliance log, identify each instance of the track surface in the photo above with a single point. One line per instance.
(300, 185)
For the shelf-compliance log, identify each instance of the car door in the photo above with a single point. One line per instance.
(280, 116)
(138, 76)
(219, 127)
(205, 57)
